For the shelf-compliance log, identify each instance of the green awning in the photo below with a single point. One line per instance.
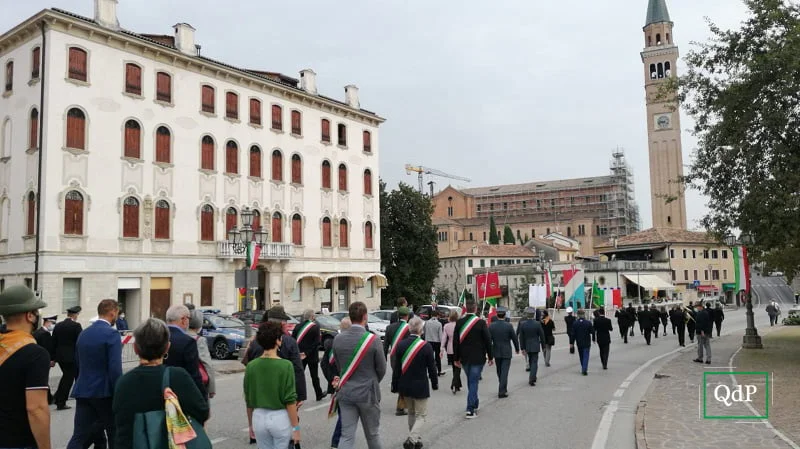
(728, 286)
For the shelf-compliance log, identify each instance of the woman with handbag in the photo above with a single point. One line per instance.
(270, 394)
(207, 372)
(550, 340)
(150, 393)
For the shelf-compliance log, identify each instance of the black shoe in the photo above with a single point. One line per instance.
(605, 367)
(63, 407)
(684, 345)
(502, 395)
(418, 445)
(252, 441)
(324, 395)
(454, 390)
(708, 362)
(697, 360)
(440, 374)
(584, 373)
(407, 444)
(527, 369)
(400, 412)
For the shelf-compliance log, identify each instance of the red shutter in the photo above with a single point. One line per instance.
(232, 106)
(77, 64)
(163, 144)
(206, 291)
(163, 87)
(297, 123)
(326, 232)
(367, 141)
(130, 217)
(76, 129)
(326, 130)
(133, 140)
(343, 234)
(9, 76)
(255, 162)
(133, 79)
(342, 135)
(277, 166)
(36, 62)
(277, 117)
(326, 175)
(256, 225)
(31, 224)
(342, 178)
(255, 111)
(207, 224)
(162, 220)
(73, 213)
(207, 94)
(277, 228)
(367, 182)
(297, 230)
(231, 219)
(231, 157)
(297, 170)
(207, 153)
(368, 235)
(34, 130)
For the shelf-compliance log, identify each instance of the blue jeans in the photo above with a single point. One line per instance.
(583, 353)
(273, 428)
(502, 366)
(533, 364)
(473, 373)
(337, 431)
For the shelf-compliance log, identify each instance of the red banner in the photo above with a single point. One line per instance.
(488, 286)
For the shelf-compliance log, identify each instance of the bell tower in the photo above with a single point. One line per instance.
(659, 57)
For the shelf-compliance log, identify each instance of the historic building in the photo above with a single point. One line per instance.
(149, 152)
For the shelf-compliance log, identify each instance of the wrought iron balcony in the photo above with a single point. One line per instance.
(269, 251)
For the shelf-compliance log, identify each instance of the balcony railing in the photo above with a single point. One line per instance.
(626, 265)
(269, 251)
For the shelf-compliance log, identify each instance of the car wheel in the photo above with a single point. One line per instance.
(221, 350)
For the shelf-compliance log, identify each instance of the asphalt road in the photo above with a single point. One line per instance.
(772, 287)
(564, 410)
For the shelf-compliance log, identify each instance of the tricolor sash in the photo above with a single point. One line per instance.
(410, 353)
(355, 360)
(402, 330)
(468, 325)
(304, 331)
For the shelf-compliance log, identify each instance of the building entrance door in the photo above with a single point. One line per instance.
(342, 294)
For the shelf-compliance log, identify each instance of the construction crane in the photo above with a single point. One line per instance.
(421, 171)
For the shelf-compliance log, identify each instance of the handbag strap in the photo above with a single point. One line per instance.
(165, 379)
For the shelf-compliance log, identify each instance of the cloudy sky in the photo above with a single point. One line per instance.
(530, 91)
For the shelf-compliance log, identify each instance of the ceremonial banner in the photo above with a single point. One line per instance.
(537, 295)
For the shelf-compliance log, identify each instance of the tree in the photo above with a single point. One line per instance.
(494, 239)
(743, 90)
(508, 235)
(409, 254)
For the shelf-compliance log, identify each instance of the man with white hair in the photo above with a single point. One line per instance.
(183, 351)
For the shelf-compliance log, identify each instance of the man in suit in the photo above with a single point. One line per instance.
(401, 302)
(646, 324)
(395, 333)
(623, 322)
(704, 327)
(65, 337)
(503, 336)
(472, 346)
(568, 321)
(99, 360)
(183, 351)
(360, 396)
(308, 339)
(603, 329)
(44, 338)
(718, 315)
(410, 375)
(532, 340)
(632, 317)
(584, 336)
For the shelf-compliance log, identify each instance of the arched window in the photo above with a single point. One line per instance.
(326, 232)
(653, 74)
(73, 213)
(231, 219)
(231, 157)
(277, 166)
(277, 117)
(367, 182)
(133, 140)
(342, 178)
(163, 145)
(667, 69)
(207, 153)
(77, 64)
(255, 111)
(326, 130)
(660, 70)
(668, 39)
(76, 129)
(343, 234)
(256, 225)
(297, 229)
(164, 87)
(232, 106)
(30, 224)
(33, 132)
(342, 134)
(649, 41)
(36, 62)
(255, 162)
(133, 79)
(297, 169)
(326, 175)
(9, 76)
(297, 123)
(130, 217)
(368, 235)
(162, 220)
(658, 39)
(207, 223)
(207, 98)
(367, 140)
(277, 227)
(5, 138)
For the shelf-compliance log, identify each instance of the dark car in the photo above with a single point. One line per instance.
(328, 326)
(224, 333)
(254, 317)
(424, 312)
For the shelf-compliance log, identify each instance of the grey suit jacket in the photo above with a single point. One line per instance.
(503, 337)
(364, 385)
(531, 335)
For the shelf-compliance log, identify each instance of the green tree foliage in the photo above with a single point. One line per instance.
(508, 235)
(494, 239)
(409, 254)
(743, 90)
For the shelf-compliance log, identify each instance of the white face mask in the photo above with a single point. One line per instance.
(50, 327)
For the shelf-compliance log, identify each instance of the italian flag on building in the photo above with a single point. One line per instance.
(741, 269)
(253, 252)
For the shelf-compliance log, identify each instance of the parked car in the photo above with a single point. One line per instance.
(224, 333)
(328, 326)
(383, 314)
(254, 317)
(424, 312)
(375, 324)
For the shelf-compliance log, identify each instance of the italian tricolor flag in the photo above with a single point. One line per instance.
(741, 269)
(253, 252)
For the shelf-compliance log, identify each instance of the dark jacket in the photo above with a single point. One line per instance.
(309, 345)
(631, 314)
(414, 382)
(531, 335)
(602, 330)
(183, 354)
(45, 339)
(655, 315)
(396, 317)
(549, 328)
(99, 359)
(503, 336)
(65, 337)
(288, 351)
(646, 319)
(664, 317)
(584, 333)
(704, 322)
(327, 364)
(569, 320)
(718, 315)
(477, 345)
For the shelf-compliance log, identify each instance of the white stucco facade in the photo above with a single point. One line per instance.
(305, 275)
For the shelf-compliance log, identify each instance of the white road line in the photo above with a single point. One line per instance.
(625, 384)
(619, 393)
(218, 440)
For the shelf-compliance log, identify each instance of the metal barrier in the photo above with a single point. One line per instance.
(128, 354)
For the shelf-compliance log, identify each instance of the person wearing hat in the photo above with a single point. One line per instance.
(44, 338)
(24, 368)
(65, 337)
(395, 333)
(532, 340)
(503, 336)
(568, 320)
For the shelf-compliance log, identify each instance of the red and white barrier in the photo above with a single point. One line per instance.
(127, 339)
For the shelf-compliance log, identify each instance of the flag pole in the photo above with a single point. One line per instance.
(485, 284)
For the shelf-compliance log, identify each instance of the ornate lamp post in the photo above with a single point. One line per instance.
(240, 240)
(751, 339)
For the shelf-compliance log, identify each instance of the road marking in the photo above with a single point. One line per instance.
(218, 440)
(619, 393)
(625, 384)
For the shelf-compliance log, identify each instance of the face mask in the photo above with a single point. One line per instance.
(122, 316)
(50, 327)
(37, 323)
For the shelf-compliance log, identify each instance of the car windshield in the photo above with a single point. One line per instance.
(327, 321)
(374, 319)
(219, 321)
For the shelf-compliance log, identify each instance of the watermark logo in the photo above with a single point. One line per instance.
(742, 395)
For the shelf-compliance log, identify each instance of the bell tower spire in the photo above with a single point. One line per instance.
(660, 57)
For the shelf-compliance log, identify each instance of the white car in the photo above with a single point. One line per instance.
(376, 325)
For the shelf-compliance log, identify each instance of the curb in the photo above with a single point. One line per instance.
(641, 441)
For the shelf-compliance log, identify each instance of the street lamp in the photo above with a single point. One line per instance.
(751, 339)
(240, 239)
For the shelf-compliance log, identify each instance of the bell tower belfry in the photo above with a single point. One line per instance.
(659, 57)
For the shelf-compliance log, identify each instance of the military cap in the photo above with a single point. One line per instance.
(403, 311)
(530, 311)
(501, 310)
(76, 309)
(50, 318)
(19, 299)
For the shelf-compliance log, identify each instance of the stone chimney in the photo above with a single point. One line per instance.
(105, 13)
(351, 96)
(308, 81)
(184, 39)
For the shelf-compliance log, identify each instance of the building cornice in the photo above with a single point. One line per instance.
(135, 44)
(663, 50)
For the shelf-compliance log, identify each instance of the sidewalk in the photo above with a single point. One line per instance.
(671, 415)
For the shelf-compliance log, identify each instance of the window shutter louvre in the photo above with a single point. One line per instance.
(326, 175)
(297, 123)
(297, 230)
(367, 182)
(163, 144)
(162, 220)
(297, 170)
(255, 111)
(77, 64)
(326, 130)
(326, 232)
(343, 234)
(342, 178)
(132, 140)
(232, 106)
(277, 228)
(207, 224)
(255, 162)
(231, 219)
(367, 141)
(208, 99)
(31, 223)
(36, 62)
(368, 235)
(277, 166)
(133, 79)
(34, 129)
(130, 217)
(277, 117)
(231, 157)
(163, 87)
(207, 153)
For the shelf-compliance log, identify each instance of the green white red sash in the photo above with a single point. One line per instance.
(402, 330)
(304, 330)
(410, 353)
(468, 325)
(355, 360)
